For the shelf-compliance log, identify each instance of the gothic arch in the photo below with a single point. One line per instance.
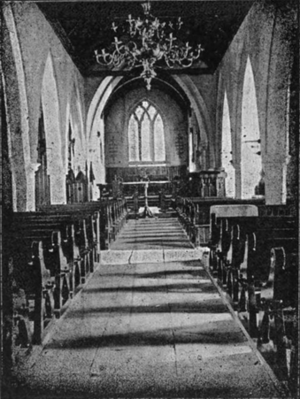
(95, 129)
(95, 125)
(202, 116)
(77, 125)
(18, 119)
(251, 162)
(50, 104)
(226, 152)
(99, 100)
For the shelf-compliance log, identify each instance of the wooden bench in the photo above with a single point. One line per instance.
(38, 272)
(240, 254)
(111, 214)
(78, 242)
(66, 238)
(278, 312)
(255, 259)
(201, 211)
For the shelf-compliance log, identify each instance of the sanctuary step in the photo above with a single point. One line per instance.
(152, 233)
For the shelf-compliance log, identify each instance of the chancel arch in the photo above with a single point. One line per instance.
(156, 112)
(251, 161)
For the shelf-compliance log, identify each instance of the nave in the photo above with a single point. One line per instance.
(205, 129)
(150, 322)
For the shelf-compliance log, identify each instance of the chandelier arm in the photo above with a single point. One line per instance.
(150, 41)
(107, 59)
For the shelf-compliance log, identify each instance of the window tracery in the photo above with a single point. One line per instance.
(146, 138)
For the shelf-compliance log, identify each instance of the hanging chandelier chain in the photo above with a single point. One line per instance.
(150, 41)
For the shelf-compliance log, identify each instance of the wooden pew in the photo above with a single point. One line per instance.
(202, 207)
(53, 251)
(63, 240)
(111, 214)
(34, 280)
(90, 213)
(53, 259)
(278, 319)
(257, 236)
(74, 246)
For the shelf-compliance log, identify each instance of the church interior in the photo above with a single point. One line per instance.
(150, 199)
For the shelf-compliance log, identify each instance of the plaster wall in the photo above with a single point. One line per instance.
(266, 37)
(37, 42)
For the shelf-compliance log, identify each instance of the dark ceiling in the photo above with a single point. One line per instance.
(85, 26)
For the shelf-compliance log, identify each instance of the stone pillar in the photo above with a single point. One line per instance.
(221, 192)
(238, 180)
(275, 180)
(30, 187)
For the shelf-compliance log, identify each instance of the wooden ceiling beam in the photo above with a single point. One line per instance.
(187, 71)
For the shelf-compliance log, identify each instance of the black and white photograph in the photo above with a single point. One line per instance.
(150, 199)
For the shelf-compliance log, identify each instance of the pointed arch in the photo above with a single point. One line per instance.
(251, 162)
(202, 116)
(18, 121)
(50, 104)
(77, 127)
(226, 152)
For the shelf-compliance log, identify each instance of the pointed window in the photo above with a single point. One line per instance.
(146, 138)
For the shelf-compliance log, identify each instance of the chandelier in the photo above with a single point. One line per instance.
(148, 41)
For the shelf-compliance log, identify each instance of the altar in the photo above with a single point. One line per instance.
(147, 212)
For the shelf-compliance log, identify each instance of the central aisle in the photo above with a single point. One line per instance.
(151, 330)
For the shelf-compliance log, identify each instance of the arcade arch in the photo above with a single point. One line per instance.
(251, 162)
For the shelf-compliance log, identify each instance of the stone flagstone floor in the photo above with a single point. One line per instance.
(148, 324)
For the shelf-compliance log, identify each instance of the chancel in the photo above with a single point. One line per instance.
(150, 183)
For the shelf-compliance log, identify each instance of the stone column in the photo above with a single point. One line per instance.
(275, 181)
(30, 187)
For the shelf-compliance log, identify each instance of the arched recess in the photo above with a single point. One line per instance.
(50, 104)
(174, 113)
(95, 124)
(202, 117)
(226, 152)
(251, 162)
(23, 170)
(75, 125)
(95, 131)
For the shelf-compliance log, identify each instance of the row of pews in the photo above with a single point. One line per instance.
(254, 257)
(52, 253)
